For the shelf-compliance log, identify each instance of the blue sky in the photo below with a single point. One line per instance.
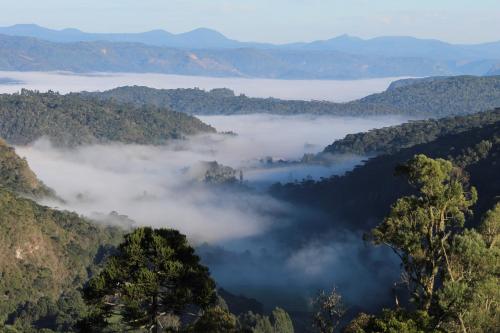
(462, 21)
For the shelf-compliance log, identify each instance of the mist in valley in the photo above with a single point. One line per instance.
(254, 244)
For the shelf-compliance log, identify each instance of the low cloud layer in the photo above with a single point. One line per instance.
(249, 239)
(331, 90)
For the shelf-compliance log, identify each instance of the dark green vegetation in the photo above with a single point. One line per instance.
(153, 276)
(437, 98)
(394, 138)
(450, 271)
(72, 120)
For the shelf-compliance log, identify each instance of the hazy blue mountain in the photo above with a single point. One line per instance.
(207, 52)
(32, 54)
(387, 46)
(196, 39)
(403, 46)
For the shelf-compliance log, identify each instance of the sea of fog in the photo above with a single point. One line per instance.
(64, 82)
(153, 185)
(250, 240)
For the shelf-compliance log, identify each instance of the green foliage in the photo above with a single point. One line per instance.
(470, 297)
(59, 316)
(153, 273)
(282, 323)
(215, 320)
(71, 120)
(420, 227)
(490, 228)
(439, 98)
(452, 272)
(394, 138)
(278, 322)
(392, 321)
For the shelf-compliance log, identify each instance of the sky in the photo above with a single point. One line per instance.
(276, 21)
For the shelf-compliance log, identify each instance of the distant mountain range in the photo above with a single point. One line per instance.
(203, 38)
(196, 39)
(208, 52)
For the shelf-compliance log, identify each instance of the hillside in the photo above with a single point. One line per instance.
(44, 254)
(17, 177)
(72, 120)
(434, 98)
(32, 54)
(374, 185)
(441, 97)
(394, 138)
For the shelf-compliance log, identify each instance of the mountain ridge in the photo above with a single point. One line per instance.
(161, 37)
(208, 52)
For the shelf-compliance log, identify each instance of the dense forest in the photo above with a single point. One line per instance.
(71, 120)
(394, 138)
(434, 98)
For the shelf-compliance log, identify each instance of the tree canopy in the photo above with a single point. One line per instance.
(155, 273)
(451, 272)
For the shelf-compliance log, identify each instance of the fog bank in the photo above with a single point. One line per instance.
(330, 90)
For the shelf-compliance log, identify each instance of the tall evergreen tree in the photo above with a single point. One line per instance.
(155, 273)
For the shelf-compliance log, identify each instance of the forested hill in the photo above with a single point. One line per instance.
(72, 120)
(394, 138)
(427, 98)
(361, 198)
(45, 255)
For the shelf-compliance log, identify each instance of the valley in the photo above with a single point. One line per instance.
(183, 181)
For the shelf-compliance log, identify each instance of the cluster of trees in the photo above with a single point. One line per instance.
(435, 98)
(71, 120)
(450, 271)
(391, 139)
